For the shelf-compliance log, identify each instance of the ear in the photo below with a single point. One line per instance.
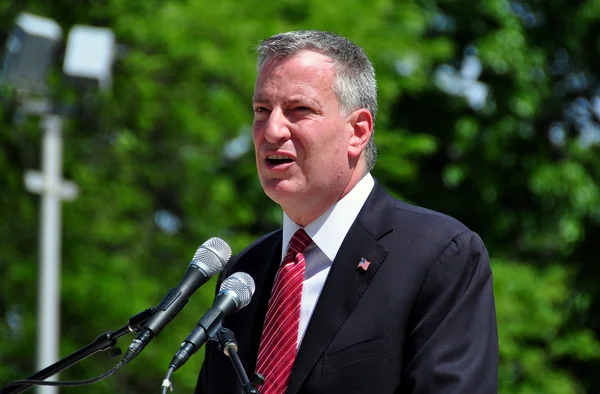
(361, 124)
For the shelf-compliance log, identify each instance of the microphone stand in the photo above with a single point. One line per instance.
(228, 344)
(106, 341)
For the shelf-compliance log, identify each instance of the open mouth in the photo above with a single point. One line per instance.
(277, 160)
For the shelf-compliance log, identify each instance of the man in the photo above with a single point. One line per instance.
(392, 298)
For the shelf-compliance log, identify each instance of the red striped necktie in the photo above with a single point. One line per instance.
(279, 339)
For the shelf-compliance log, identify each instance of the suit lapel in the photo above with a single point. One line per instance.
(261, 264)
(345, 284)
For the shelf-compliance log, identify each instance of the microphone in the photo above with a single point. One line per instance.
(210, 258)
(235, 293)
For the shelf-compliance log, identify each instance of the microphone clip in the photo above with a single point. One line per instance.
(228, 345)
(226, 341)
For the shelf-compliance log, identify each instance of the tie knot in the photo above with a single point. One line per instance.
(299, 242)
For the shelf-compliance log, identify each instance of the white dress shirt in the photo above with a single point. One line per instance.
(327, 232)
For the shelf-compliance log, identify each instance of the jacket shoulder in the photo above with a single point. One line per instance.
(427, 219)
(255, 249)
(267, 239)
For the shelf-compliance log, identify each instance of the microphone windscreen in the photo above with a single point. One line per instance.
(241, 284)
(212, 256)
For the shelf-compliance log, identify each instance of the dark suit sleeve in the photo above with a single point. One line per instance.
(202, 384)
(209, 376)
(452, 345)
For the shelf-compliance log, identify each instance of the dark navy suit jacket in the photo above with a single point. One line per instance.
(420, 320)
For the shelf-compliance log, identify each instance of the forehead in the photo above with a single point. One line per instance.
(305, 72)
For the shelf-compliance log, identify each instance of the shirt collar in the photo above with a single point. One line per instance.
(329, 230)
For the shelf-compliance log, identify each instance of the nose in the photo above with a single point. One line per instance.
(277, 127)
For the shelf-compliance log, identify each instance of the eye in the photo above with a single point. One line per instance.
(261, 112)
(300, 111)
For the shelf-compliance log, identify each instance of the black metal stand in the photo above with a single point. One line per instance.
(228, 345)
(106, 341)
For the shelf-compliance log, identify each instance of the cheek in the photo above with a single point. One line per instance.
(256, 137)
(334, 143)
(320, 144)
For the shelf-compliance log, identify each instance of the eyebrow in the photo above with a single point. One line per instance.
(259, 99)
(293, 100)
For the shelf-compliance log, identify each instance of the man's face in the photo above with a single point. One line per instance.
(300, 136)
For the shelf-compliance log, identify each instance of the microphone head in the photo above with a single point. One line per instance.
(212, 256)
(241, 284)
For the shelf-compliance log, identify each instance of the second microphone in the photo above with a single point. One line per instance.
(235, 293)
(210, 258)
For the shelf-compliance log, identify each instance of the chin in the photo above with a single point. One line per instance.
(281, 191)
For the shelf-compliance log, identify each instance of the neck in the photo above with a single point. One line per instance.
(304, 214)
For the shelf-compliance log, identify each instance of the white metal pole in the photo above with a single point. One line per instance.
(50, 236)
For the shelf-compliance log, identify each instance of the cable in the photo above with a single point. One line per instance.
(166, 383)
(33, 382)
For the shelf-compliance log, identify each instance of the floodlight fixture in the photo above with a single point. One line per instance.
(89, 55)
(29, 51)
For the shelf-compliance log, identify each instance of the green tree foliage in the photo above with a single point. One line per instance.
(534, 330)
(488, 112)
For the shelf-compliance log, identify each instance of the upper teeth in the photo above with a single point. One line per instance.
(277, 157)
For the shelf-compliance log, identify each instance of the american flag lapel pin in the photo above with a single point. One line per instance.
(363, 265)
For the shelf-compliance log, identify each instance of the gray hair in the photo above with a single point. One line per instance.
(355, 85)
